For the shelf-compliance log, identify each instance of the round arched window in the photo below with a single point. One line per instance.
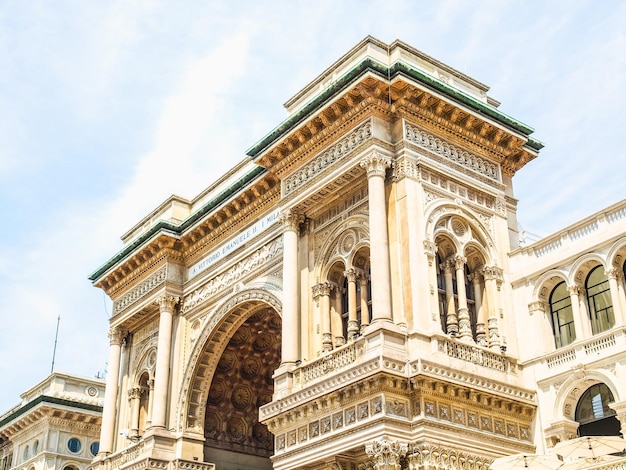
(35, 447)
(26, 454)
(74, 445)
(593, 413)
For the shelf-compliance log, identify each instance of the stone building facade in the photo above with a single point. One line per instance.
(56, 425)
(345, 297)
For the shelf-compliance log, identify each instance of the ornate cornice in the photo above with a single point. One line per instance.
(327, 158)
(450, 152)
(221, 282)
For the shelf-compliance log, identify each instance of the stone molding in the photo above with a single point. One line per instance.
(221, 282)
(328, 158)
(450, 152)
(137, 293)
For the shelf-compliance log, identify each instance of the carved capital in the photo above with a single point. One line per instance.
(350, 274)
(290, 219)
(493, 273)
(430, 250)
(575, 290)
(116, 336)
(538, 306)
(613, 273)
(386, 455)
(167, 302)
(375, 164)
(459, 262)
(135, 393)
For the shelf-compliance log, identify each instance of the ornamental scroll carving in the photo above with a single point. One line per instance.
(222, 281)
(450, 152)
(140, 291)
(386, 455)
(326, 159)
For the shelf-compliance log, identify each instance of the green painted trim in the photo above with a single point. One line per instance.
(164, 226)
(398, 68)
(53, 401)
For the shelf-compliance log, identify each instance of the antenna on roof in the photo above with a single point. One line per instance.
(56, 337)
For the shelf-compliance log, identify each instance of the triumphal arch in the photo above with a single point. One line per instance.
(339, 299)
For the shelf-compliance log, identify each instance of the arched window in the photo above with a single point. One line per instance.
(143, 403)
(562, 316)
(593, 413)
(599, 301)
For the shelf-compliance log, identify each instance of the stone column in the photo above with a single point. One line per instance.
(134, 397)
(493, 279)
(465, 327)
(386, 455)
(336, 323)
(617, 295)
(109, 412)
(166, 305)
(481, 321)
(376, 164)
(452, 323)
(579, 320)
(291, 221)
(353, 322)
(365, 308)
(150, 403)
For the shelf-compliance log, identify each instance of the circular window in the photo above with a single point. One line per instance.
(74, 445)
(94, 448)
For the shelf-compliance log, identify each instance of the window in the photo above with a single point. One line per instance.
(74, 445)
(562, 316)
(26, 454)
(599, 301)
(94, 448)
(35, 447)
(593, 413)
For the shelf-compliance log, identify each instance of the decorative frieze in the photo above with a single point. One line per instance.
(143, 288)
(327, 158)
(450, 152)
(221, 282)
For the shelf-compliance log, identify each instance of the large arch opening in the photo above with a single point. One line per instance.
(593, 413)
(242, 382)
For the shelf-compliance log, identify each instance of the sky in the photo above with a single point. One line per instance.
(109, 107)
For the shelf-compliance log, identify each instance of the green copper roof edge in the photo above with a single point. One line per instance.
(47, 399)
(164, 226)
(535, 144)
(369, 64)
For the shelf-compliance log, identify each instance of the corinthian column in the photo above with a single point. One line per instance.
(110, 394)
(465, 327)
(452, 323)
(617, 295)
(376, 164)
(162, 369)
(291, 221)
(353, 323)
(386, 455)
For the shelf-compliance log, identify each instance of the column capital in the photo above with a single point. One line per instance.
(290, 219)
(386, 454)
(375, 164)
(491, 273)
(538, 306)
(350, 274)
(167, 302)
(134, 393)
(575, 289)
(430, 248)
(116, 336)
(459, 262)
(613, 273)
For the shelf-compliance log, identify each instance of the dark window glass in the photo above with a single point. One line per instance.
(599, 301)
(562, 316)
(74, 445)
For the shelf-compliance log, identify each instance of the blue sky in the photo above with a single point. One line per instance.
(109, 107)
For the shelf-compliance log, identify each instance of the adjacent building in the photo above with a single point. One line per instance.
(56, 426)
(353, 294)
